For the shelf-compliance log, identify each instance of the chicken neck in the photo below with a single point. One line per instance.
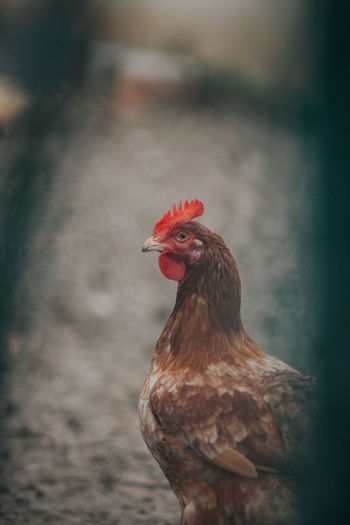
(205, 325)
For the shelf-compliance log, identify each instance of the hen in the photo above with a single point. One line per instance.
(230, 426)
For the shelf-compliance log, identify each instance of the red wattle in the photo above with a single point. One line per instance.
(172, 266)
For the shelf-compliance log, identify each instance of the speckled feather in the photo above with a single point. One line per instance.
(229, 425)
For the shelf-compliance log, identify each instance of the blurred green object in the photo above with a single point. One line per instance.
(48, 62)
(333, 261)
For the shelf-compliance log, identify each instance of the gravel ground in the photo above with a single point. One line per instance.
(74, 453)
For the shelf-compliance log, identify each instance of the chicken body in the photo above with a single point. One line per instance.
(230, 426)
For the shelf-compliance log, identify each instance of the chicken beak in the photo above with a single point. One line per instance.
(151, 245)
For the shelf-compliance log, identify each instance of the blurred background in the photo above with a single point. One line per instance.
(110, 111)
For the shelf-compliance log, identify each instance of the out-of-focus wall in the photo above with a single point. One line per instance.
(265, 40)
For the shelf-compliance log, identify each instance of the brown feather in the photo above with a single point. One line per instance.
(234, 462)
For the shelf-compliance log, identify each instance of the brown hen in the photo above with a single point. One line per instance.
(230, 426)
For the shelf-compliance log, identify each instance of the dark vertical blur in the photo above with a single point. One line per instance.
(333, 41)
(44, 50)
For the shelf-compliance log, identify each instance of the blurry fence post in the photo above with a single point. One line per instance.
(44, 51)
(333, 46)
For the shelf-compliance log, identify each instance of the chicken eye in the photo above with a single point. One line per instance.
(182, 236)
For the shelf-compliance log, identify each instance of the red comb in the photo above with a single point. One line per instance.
(182, 214)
